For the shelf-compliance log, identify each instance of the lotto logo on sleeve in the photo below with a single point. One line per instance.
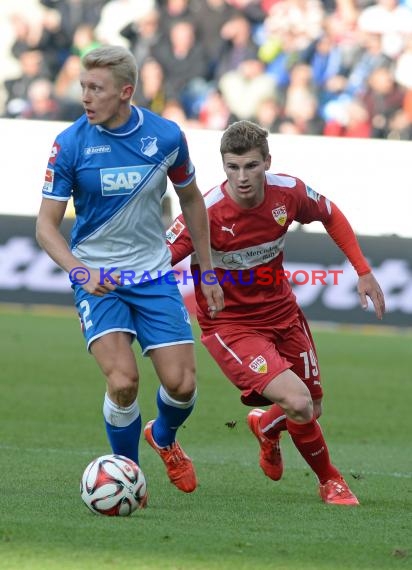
(124, 180)
(48, 181)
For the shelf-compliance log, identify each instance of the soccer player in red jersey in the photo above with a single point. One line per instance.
(261, 339)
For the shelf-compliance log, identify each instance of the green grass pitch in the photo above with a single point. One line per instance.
(51, 427)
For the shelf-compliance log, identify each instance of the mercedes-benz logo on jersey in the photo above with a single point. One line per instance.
(149, 146)
(232, 260)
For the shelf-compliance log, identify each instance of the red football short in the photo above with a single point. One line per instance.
(251, 357)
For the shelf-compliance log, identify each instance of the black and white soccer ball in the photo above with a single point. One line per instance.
(113, 485)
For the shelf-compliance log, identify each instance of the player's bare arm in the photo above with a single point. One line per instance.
(50, 238)
(369, 287)
(195, 215)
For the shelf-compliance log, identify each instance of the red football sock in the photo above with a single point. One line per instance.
(273, 421)
(310, 443)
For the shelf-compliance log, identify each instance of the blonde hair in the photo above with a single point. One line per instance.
(118, 59)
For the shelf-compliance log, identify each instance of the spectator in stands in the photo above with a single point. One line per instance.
(173, 11)
(43, 105)
(67, 81)
(331, 61)
(152, 90)
(382, 98)
(391, 20)
(301, 80)
(32, 67)
(214, 112)
(301, 103)
(246, 87)
(76, 12)
(341, 25)
(353, 121)
(115, 15)
(269, 114)
(370, 58)
(27, 33)
(146, 37)
(53, 43)
(326, 59)
(238, 45)
(302, 110)
(185, 66)
(43, 33)
(281, 56)
(210, 16)
(301, 18)
(84, 40)
(251, 9)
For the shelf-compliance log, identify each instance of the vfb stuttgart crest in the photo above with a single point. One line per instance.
(259, 365)
(280, 214)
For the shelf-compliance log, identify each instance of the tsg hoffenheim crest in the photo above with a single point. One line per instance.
(149, 146)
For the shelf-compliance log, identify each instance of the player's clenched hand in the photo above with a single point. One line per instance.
(369, 287)
(214, 297)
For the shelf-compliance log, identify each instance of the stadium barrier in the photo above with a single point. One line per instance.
(367, 178)
(29, 277)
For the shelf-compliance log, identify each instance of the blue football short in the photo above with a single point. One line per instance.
(153, 312)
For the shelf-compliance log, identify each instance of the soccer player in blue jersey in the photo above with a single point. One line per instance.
(114, 161)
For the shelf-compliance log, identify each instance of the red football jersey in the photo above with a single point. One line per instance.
(247, 251)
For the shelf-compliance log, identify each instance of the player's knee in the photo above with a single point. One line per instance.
(123, 389)
(184, 392)
(183, 388)
(300, 407)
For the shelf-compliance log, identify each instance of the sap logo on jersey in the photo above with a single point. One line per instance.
(123, 180)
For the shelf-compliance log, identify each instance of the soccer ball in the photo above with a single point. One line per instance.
(113, 485)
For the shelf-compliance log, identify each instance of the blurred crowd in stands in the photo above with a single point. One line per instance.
(316, 67)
